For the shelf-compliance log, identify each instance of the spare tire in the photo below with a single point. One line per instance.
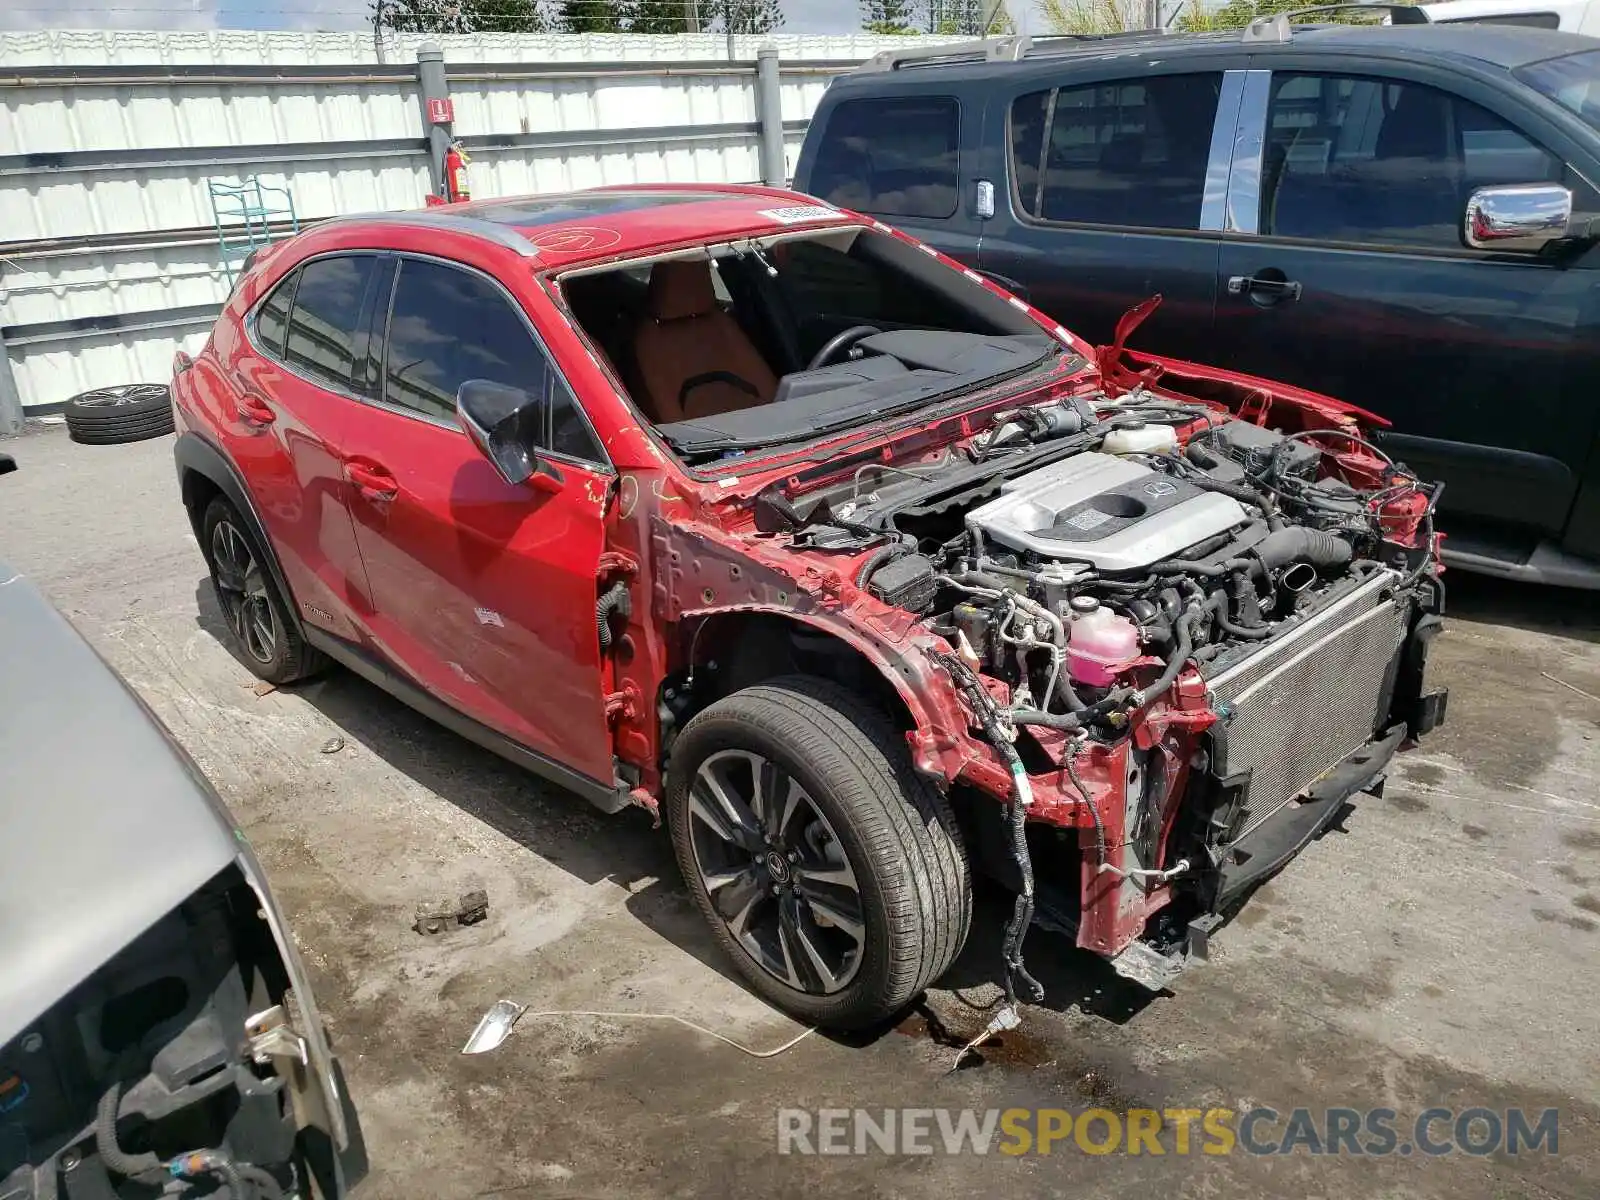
(129, 412)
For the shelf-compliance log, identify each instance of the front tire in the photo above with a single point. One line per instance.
(261, 631)
(830, 873)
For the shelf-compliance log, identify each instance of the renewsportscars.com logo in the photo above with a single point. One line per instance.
(1377, 1132)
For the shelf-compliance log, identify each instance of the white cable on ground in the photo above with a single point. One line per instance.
(649, 1016)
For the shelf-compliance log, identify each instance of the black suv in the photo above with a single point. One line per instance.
(1401, 216)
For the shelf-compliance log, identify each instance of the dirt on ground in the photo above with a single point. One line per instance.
(1440, 948)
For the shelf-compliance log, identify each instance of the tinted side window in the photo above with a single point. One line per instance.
(1353, 159)
(1131, 153)
(895, 157)
(272, 318)
(326, 314)
(449, 325)
(1028, 115)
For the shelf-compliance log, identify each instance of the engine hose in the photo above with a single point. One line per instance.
(1426, 560)
(112, 1155)
(267, 1187)
(977, 579)
(1070, 698)
(882, 556)
(1218, 605)
(1071, 761)
(231, 1176)
(1174, 664)
(1238, 491)
(615, 600)
(1074, 720)
(1201, 566)
(1315, 546)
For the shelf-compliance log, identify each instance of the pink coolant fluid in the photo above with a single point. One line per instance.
(1101, 642)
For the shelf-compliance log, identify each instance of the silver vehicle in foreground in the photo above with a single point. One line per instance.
(157, 1034)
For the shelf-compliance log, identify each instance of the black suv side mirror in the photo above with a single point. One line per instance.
(504, 423)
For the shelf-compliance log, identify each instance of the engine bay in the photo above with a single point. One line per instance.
(1169, 619)
(1084, 551)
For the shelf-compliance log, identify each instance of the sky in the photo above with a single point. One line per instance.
(800, 16)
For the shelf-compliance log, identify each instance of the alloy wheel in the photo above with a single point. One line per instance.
(776, 872)
(122, 394)
(242, 591)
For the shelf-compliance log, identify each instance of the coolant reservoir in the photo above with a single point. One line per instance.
(1141, 439)
(1100, 643)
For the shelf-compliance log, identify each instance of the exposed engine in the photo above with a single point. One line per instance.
(1084, 551)
(1117, 576)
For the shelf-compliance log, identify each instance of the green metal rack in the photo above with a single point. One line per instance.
(244, 212)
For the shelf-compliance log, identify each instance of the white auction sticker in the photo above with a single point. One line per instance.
(799, 214)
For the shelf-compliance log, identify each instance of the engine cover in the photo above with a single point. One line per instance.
(1108, 511)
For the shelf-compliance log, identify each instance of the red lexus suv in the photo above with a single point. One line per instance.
(862, 572)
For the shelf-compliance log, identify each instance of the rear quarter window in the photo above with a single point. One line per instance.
(891, 156)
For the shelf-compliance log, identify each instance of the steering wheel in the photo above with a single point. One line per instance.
(840, 341)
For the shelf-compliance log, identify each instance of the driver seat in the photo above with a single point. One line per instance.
(691, 358)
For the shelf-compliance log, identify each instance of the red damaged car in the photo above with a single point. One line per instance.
(862, 572)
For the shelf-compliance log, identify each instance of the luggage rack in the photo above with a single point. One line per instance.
(1010, 48)
(1278, 27)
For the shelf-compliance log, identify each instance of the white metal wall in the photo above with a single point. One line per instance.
(107, 140)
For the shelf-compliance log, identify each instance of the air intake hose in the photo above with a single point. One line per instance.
(1296, 544)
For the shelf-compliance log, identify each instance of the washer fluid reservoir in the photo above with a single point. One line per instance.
(1141, 439)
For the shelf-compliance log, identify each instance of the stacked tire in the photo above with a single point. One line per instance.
(129, 412)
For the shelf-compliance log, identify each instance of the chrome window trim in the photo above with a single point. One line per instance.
(604, 465)
(1243, 194)
(1219, 160)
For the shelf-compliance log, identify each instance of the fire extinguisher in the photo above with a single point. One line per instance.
(456, 186)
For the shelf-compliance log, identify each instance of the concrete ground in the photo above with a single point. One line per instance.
(1443, 951)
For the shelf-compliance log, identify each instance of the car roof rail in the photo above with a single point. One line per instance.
(1010, 48)
(999, 49)
(1279, 27)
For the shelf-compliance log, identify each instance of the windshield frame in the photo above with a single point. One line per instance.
(727, 471)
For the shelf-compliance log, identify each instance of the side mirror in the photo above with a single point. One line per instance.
(1527, 217)
(7, 464)
(504, 423)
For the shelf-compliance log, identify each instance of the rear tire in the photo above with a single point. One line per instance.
(262, 633)
(129, 412)
(868, 848)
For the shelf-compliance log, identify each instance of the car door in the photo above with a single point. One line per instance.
(483, 591)
(1104, 197)
(1345, 272)
(280, 401)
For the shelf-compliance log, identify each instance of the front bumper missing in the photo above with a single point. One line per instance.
(1278, 841)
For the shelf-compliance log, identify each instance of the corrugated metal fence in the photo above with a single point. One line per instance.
(108, 256)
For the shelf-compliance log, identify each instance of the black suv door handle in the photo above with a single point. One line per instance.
(1264, 288)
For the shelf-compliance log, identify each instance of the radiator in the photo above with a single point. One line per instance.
(1307, 699)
